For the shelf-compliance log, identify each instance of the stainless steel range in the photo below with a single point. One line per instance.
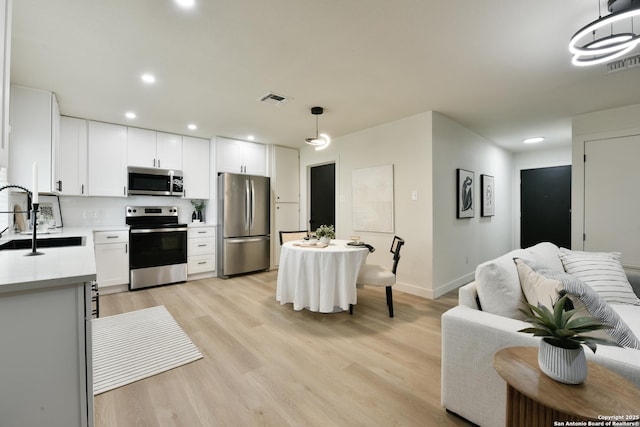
(158, 246)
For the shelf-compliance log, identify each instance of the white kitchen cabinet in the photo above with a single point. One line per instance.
(237, 156)
(107, 154)
(35, 121)
(195, 160)
(5, 54)
(285, 175)
(201, 251)
(287, 218)
(151, 149)
(70, 157)
(112, 260)
(45, 362)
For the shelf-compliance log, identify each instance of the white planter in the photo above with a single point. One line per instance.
(568, 366)
(325, 240)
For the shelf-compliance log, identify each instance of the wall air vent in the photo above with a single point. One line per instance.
(274, 99)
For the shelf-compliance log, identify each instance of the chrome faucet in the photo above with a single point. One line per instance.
(31, 208)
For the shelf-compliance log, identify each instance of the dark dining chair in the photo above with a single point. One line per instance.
(287, 236)
(382, 276)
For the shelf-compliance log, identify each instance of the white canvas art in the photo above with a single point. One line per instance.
(373, 199)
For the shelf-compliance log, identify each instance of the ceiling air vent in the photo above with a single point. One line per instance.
(624, 64)
(274, 99)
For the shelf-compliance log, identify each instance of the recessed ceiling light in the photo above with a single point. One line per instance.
(533, 140)
(148, 78)
(251, 137)
(186, 3)
(192, 126)
(130, 115)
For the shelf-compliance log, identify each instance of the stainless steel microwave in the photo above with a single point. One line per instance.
(155, 182)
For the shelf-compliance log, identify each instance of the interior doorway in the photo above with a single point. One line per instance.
(322, 199)
(545, 206)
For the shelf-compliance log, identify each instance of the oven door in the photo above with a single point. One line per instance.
(158, 256)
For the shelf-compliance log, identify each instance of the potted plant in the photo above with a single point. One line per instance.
(561, 355)
(325, 233)
(199, 206)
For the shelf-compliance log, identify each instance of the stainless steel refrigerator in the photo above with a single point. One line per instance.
(243, 224)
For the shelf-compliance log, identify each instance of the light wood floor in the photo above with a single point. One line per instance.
(267, 365)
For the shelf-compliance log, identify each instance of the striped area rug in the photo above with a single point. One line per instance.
(131, 346)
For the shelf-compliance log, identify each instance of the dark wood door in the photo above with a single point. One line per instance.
(545, 206)
(323, 196)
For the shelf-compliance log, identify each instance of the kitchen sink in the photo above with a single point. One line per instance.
(52, 242)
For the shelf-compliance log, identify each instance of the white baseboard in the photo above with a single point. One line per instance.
(454, 284)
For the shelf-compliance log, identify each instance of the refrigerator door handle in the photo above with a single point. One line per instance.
(247, 212)
(247, 239)
(253, 204)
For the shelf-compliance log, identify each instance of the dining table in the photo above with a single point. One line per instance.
(318, 277)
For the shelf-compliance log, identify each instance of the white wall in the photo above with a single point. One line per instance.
(459, 245)
(406, 144)
(441, 251)
(591, 126)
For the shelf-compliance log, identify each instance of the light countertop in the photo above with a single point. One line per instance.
(57, 267)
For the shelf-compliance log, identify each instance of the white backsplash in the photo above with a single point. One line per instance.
(110, 211)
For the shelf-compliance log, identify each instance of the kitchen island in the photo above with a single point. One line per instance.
(45, 333)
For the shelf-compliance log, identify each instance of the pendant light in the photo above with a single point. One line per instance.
(589, 49)
(322, 140)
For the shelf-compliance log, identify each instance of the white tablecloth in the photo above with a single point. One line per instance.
(319, 279)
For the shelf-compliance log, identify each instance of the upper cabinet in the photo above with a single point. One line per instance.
(70, 158)
(35, 126)
(241, 157)
(151, 149)
(195, 160)
(285, 175)
(107, 154)
(5, 55)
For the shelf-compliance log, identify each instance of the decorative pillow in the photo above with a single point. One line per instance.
(544, 285)
(603, 272)
(497, 280)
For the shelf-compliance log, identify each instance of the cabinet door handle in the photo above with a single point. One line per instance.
(202, 262)
(202, 232)
(82, 189)
(112, 237)
(126, 248)
(158, 162)
(202, 246)
(59, 185)
(154, 163)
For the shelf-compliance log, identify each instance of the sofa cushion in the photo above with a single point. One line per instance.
(543, 285)
(498, 284)
(603, 272)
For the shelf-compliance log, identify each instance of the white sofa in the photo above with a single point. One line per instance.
(470, 385)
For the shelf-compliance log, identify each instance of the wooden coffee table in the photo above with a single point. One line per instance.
(534, 399)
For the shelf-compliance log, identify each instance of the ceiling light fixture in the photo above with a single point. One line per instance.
(322, 140)
(192, 126)
(589, 49)
(533, 140)
(130, 115)
(187, 4)
(148, 78)
(251, 137)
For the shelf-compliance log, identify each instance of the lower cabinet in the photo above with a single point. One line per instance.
(45, 361)
(201, 251)
(112, 260)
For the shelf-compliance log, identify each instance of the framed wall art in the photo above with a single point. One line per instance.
(488, 195)
(373, 199)
(464, 193)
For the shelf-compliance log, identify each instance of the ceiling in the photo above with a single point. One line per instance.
(500, 68)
